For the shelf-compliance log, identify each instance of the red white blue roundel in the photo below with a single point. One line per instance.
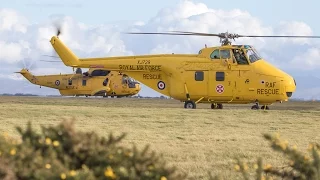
(57, 82)
(220, 88)
(161, 85)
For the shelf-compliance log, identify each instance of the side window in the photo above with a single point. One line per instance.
(84, 82)
(225, 54)
(70, 82)
(198, 76)
(219, 76)
(215, 54)
(99, 73)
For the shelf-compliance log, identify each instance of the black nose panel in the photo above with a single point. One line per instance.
(289, 94)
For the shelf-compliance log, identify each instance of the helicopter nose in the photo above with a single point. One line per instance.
(138, 87)
(290, 86)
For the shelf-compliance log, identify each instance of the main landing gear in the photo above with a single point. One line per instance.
(263, 107)
(190, 105)
(216, 106)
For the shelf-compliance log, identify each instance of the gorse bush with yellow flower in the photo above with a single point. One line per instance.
(60, 152)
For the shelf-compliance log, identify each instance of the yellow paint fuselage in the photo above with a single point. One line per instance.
(81, 85)
(196, 77)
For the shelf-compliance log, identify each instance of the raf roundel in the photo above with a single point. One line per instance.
(220, 88)
(161, 85)
(57, 82)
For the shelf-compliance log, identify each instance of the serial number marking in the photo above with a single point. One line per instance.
(143, 62)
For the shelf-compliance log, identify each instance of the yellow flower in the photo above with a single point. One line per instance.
(63, 176)
(110, 156)
(267, 167)
(56, 143)
(150, 167)
(5, 134)
(13, 152)
(291, 163)
(245, 166)
(48, 166)
(109, 173)
(163, 178)
(255, 166)
(48, 141)
(129, 154)
(294, 147)
(283, 146)
(276, 135)
(237, 167)
(72, 173)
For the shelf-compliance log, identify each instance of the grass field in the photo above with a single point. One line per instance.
(195, 140)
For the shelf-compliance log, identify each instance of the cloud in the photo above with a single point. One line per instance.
(308, 60)
(21, 39)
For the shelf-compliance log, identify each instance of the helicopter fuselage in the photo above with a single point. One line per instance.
(214, 75)
(95, 84)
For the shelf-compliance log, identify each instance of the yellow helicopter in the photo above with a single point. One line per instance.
(234, 74)
(94, 82)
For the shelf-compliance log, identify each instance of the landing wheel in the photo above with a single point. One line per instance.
(216, 106)
(265, 107)
(189, 105)
(255, 107)
(213, 106)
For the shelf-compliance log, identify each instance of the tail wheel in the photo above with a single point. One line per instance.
(190, 105)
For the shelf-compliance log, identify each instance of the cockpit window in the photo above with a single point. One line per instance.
(225, 54)
(252, 55)
(240, 57)
(215, 54)
(127, 80)
(100, 72)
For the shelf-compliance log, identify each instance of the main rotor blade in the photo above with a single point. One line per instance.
(51, 56)
(221, 35)
(49, 61)
(177, 33)
(281, 36)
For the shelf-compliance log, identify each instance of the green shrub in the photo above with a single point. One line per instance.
(59, 152)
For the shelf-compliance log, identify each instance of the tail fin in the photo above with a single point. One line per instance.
(66, 55)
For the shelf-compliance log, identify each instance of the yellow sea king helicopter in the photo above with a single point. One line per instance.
(94, 82)
(234, 74)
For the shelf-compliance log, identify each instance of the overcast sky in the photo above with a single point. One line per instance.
(93, 28)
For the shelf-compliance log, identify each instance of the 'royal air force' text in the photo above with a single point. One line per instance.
(140, 67)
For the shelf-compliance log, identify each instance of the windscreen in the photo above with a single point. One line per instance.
(252, 55)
